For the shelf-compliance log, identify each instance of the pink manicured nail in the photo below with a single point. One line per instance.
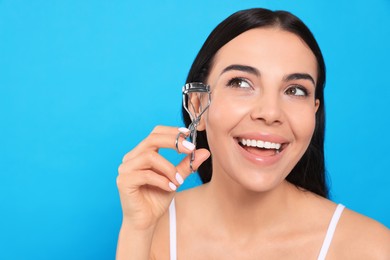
(190, 146)
(172, 186)
(179, 178)
(183, 130)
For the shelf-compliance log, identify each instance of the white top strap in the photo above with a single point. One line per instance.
(172, 230)
(331, 229)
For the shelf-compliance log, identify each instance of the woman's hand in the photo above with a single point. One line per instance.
(147, 181)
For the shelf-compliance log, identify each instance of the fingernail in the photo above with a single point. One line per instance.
(172, 186)
(190, 146)
(179, 178)
(184, 130)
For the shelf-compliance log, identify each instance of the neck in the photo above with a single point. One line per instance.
(232, 204)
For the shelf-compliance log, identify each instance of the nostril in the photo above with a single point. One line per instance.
(269, 114)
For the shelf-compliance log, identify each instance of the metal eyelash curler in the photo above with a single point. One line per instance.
(194, 92)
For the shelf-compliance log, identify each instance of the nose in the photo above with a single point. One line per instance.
(267, 108)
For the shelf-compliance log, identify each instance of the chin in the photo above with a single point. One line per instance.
(261, 183)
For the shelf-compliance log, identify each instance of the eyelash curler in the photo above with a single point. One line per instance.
(195, 93)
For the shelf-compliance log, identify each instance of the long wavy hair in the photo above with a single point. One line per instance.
(309, 172)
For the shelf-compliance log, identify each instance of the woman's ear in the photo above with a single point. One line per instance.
(202, 124)
(195, 107)
(317, 104)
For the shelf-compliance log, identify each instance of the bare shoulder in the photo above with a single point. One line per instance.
(160, 243)
(360, 237)
(190, 198)
(356, 236)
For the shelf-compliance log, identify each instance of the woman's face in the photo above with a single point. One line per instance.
(262, 114)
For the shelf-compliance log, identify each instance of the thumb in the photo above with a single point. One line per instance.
(184, 168)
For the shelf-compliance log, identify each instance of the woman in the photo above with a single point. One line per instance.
(265, 195)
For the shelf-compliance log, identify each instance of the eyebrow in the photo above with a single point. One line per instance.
(296, 76)
(256, 72)
(243, 68)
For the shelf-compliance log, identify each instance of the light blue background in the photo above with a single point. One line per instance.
(82, 82)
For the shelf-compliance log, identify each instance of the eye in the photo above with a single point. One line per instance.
(238, 83)
(297, 91)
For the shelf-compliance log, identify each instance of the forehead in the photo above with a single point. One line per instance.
(268, 49)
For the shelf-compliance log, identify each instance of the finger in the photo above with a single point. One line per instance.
(184, 168)
(165, 130)
(126, 182)
(155, 162)
(155, 141)
(160, 129)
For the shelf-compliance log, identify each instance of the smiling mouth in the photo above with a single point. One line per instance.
(260, 147)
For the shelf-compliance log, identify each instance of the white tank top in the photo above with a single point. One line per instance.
(324, 249)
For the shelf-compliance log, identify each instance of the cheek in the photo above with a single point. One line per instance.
(303, 122)
(225, 113)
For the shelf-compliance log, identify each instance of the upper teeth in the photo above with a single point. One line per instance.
(260, 144)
